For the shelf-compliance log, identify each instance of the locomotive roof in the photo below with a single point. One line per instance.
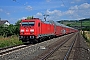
(54, 22)
(59, 24)
(32, 19)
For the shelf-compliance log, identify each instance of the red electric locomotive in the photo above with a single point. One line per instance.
(33, 29)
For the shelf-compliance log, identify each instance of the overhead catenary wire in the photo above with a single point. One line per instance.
(18, 2)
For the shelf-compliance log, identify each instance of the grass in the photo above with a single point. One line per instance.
(9, 41)
(87, 37)
(84, 23)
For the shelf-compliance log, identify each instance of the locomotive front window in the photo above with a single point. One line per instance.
(31, 23)
(28, 23)
(24, 23)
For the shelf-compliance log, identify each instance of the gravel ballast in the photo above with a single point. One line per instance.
(82, 50)
(30, 52)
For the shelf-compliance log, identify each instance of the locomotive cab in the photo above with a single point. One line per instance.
(29, 29)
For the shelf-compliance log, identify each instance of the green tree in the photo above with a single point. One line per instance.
(18, 23)
(17, 27)
(11, 29)
(1, 30)
(68, 24)
(29, 17)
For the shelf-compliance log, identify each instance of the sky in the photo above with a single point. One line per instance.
(14, 10)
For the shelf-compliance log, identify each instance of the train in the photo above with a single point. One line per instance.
(35, 29)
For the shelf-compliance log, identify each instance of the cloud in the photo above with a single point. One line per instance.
(48, 0)
(29, 8)
(76, 1)
(26, 3)
(73, 7)
(1, 10)
(54, 12)
(74, 12)
(69, 12)
(62, 5)
(85, 5)
(72, 2)
(23, 17)
(79, 11)
(54, 15)
(39, 14)
(8, 13)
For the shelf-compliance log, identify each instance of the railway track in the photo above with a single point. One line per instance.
(54, 47)
(67, 56)
(64, 52)
(7, 50)
(82, 52)
(62, 48)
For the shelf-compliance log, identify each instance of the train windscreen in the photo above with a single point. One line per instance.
(28, 23)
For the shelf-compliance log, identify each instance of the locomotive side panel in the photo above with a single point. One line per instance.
(58, 30)
(47, 29)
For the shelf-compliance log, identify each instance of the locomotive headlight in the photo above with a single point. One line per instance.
(32, 30)
(22, 30)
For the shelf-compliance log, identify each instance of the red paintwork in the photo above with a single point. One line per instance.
(58, 31)
(68, 30)
(28, 28)
(46, 28)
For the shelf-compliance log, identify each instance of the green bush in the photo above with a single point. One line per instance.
(87, 40)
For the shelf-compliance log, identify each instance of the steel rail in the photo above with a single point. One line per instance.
(69, 50)
(53, 50)
(4, 51)
(9, 47)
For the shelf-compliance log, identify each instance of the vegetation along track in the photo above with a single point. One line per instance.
(7, 50)
(54, 47)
